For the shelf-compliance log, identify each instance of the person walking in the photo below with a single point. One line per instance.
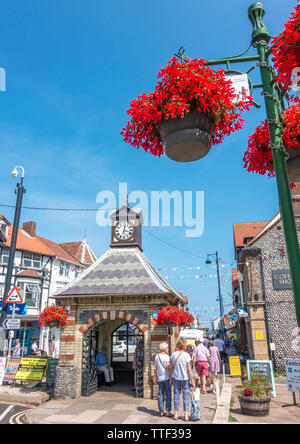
(215, 364)
(182, 376)
(221, 347)
(163, 377)
(201, 359)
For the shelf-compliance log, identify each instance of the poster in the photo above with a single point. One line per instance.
(32, 369)
(235, 366)
(241, 86)
(12, 367)
(292, 368)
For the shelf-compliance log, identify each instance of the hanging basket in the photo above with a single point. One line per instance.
(255, 406)
(170, 324)
(187, 139)
(293, 165)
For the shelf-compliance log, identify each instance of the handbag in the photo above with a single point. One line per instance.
(195, 408)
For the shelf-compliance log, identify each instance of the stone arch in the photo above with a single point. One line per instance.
(113, 315)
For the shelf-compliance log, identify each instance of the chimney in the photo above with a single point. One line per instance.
(296, 204)
(30, 228)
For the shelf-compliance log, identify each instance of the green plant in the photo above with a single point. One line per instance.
(257, 387)
(232, 419)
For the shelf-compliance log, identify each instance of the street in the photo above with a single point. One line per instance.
(13, 414)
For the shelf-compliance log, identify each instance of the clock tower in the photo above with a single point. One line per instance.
(126, 229)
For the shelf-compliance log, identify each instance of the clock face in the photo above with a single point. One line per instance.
(124, 230)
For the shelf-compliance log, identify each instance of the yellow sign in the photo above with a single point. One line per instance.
(235, 365)
(259, 335)
(32, 369)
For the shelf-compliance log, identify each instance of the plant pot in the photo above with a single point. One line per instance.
(293, 164)
(255, 406)
(187, 139)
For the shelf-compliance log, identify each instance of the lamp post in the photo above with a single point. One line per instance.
(274, 103)
(220, 298)
(20, 190)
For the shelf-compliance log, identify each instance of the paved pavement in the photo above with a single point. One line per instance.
(281, 409)
(112, 405)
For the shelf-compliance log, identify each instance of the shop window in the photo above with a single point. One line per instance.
(31, 294)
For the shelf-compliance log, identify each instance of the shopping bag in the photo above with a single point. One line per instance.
(195, 409)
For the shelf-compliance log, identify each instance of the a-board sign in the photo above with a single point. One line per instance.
(2, 368)
(292, 369)
(235, 365)
(11, 369)
(31, 369)
(51, 371)
(262, 368)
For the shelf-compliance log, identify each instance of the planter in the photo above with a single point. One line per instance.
(187, 139)
(170, 324)
(255, 406)
(293, 164)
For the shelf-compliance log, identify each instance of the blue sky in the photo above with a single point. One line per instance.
(72, 68)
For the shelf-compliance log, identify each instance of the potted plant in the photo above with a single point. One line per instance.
(286, 50)
(255, 396)
(172, 316)
(192, 108)
(54, 316)
(259, 158)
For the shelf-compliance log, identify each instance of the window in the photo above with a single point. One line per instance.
(5, 256)
(64, 269)
(3, 227)
(124, 342)
(30, 293)
(32, 260)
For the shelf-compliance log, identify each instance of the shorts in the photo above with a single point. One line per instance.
(202, 368)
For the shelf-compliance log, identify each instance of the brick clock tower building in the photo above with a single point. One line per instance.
(112, 305)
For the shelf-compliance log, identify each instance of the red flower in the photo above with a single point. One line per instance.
(286, 49)
(248, 392)
(174, 314)
(54, 314)
(183, 88)
(259, 158)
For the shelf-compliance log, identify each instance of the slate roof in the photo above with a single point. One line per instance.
(120, 271)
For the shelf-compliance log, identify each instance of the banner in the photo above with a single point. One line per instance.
(32, 369)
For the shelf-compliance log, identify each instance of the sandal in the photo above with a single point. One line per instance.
(161, 414)
(175, 417)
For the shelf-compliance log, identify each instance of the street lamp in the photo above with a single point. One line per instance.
(20, 190)
(220, 298)
(274, 103)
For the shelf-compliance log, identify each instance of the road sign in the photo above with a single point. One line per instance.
(14, 297)
(12, 324)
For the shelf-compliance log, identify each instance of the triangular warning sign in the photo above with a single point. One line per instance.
(14, 297)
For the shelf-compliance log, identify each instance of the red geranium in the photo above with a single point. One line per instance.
(54, 315)
(258, 157)
(174, 314)
(286, 49)
(248, 392)
(183, 88)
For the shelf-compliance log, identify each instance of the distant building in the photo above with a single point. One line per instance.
(265, 289)
(41, 268)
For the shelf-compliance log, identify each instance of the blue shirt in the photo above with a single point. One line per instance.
(101, 359)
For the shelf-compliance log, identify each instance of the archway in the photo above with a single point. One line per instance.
(121, 336)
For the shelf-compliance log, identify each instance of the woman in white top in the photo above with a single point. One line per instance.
(163, 377)
(182, 376)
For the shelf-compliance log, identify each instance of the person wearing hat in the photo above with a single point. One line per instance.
(102, 366)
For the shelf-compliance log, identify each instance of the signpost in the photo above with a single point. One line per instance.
(13, 297)
(262, 368)
(292, 368)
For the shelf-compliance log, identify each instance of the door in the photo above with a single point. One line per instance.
(89, 384)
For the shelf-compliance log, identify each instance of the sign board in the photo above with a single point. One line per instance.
(12, 324)
(243, 312)
(262, 368)
(2, 369)
(12, 367)
(259, 335)
(241, 86)
(31, 369)
(292, 368)
(20, 309)
(51, 371)
(282, 280)
(14, 297)
(235, 366)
